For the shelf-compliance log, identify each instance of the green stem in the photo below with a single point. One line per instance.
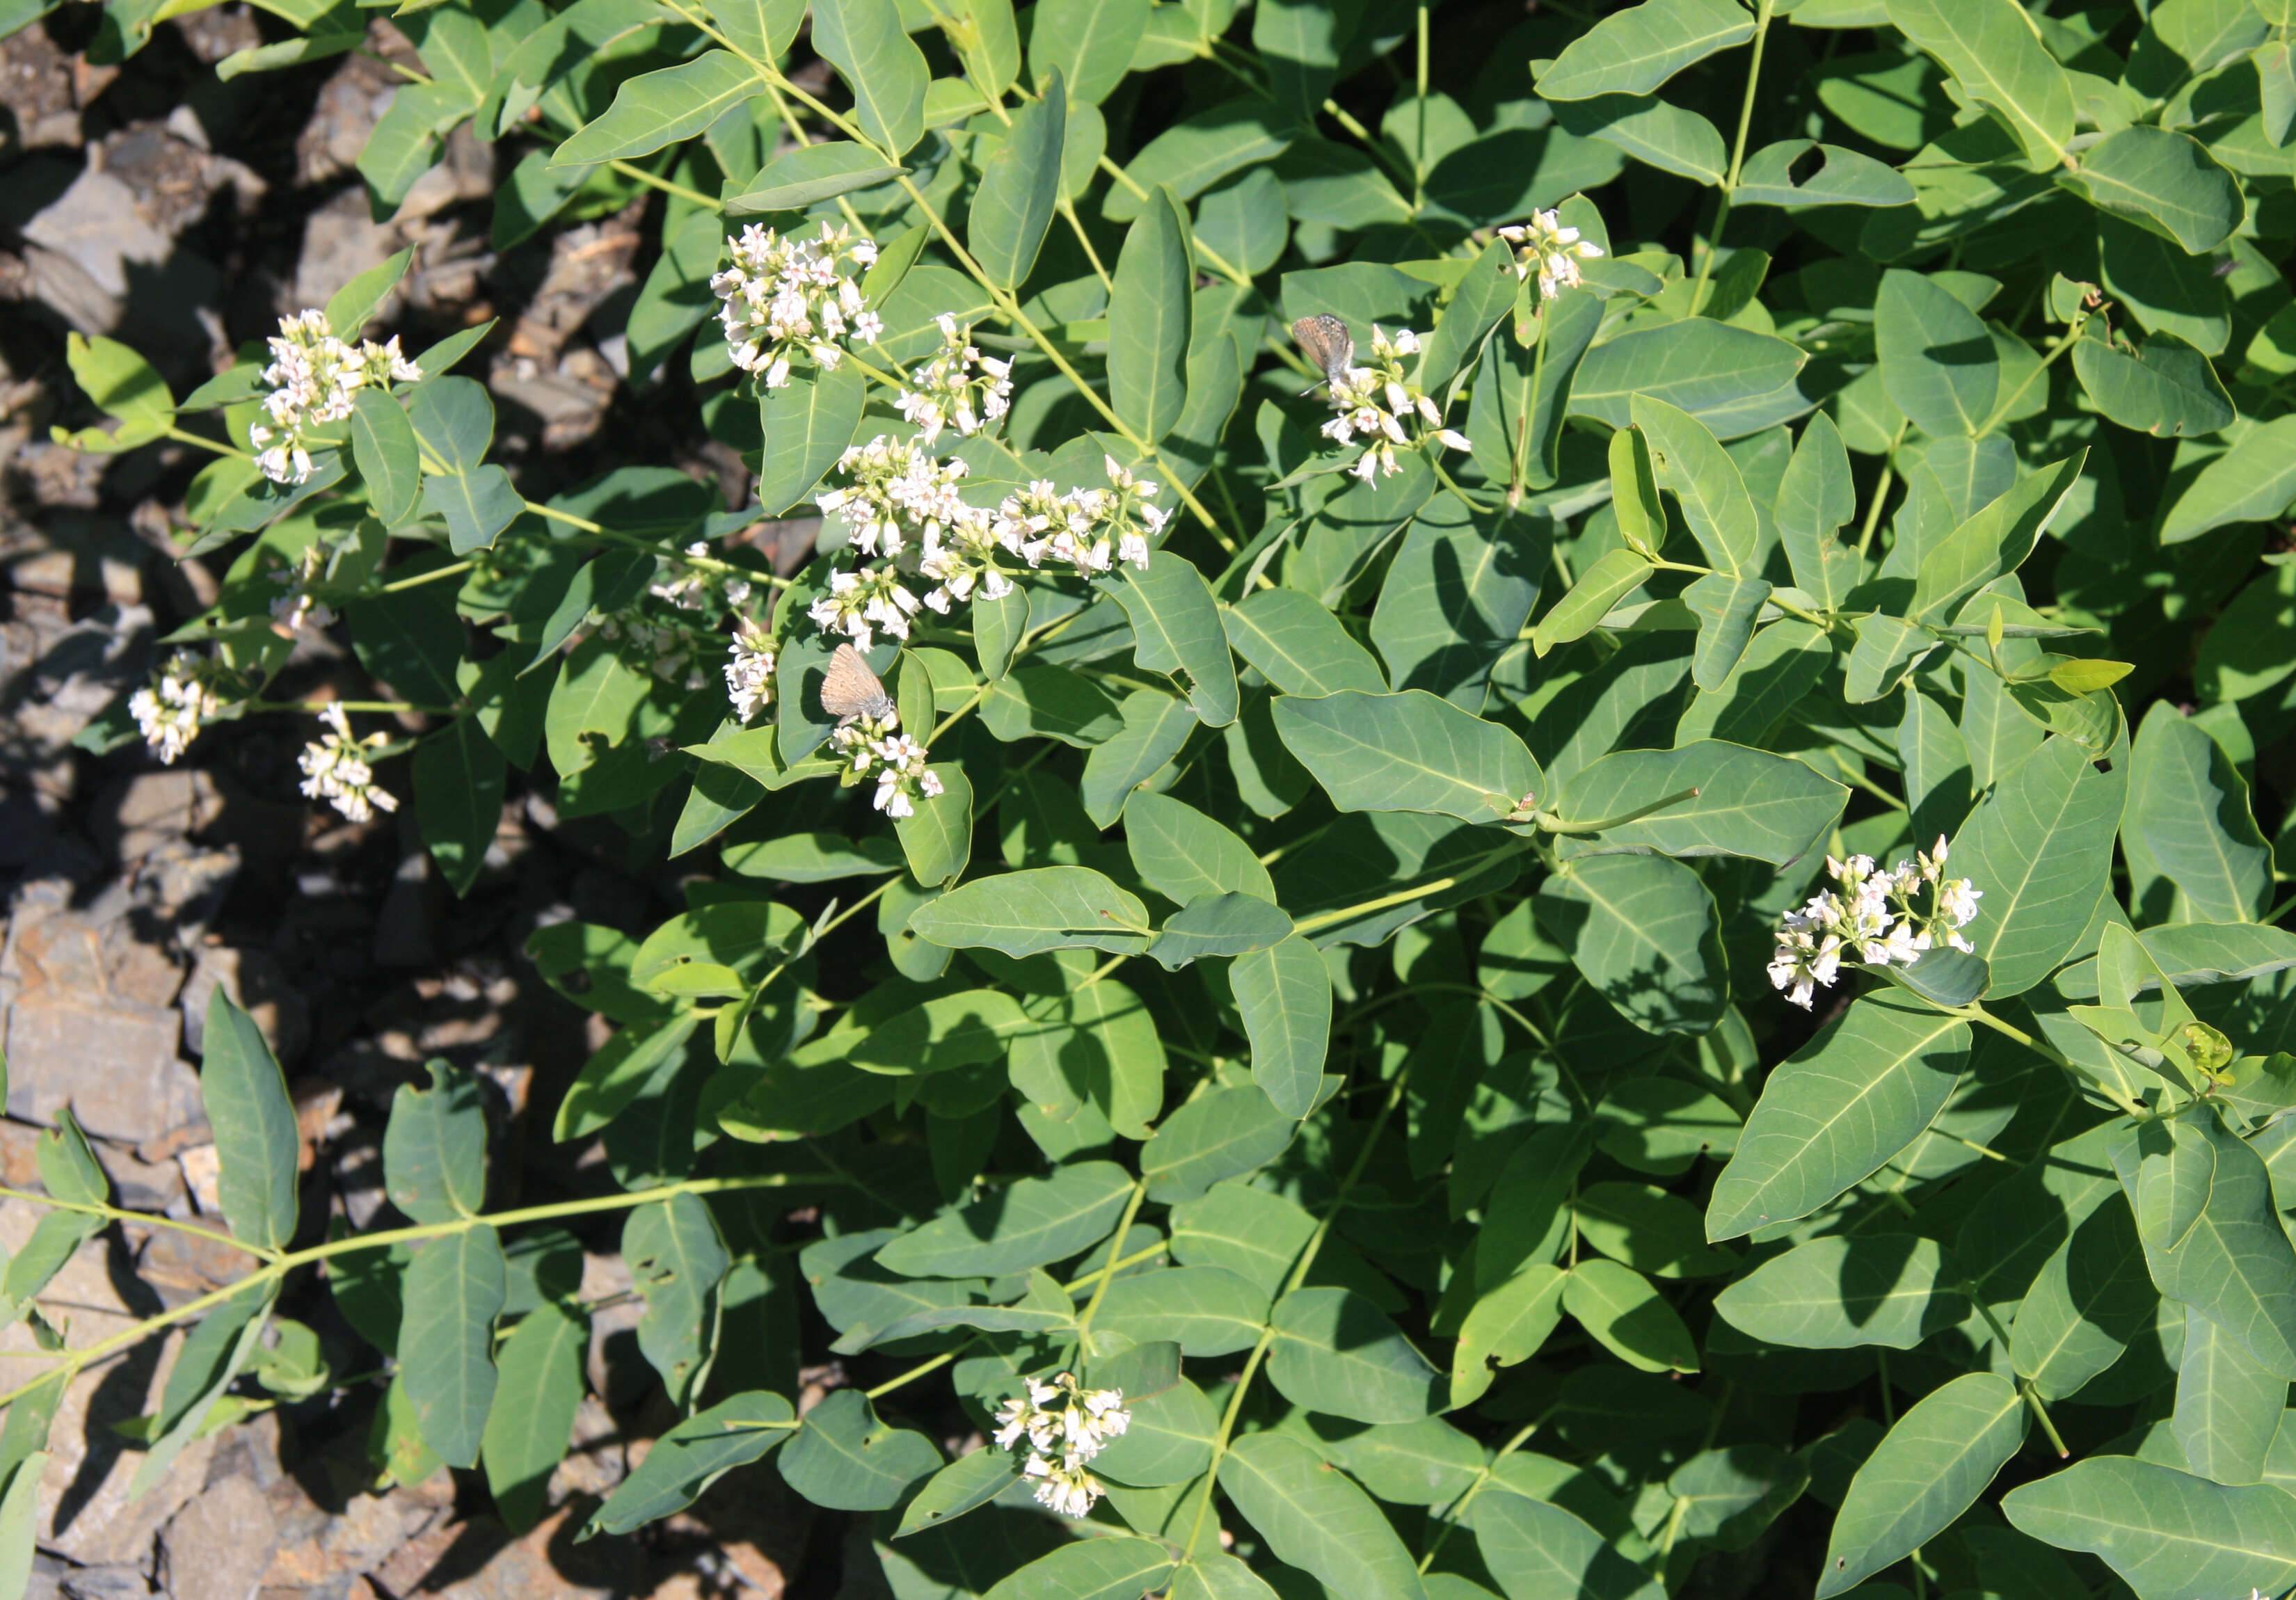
(116, 1214)
(1881, 495)
(1737, 155)
(1490, 1469)
(1622, 819)
(1107, 1275)
(185, 436)
(1419, 155)
(280, 1265)
(1204, 252)
(691, 196)
(2001, 408)
(1298, 1275)
(1976, 1013)
(451, 570)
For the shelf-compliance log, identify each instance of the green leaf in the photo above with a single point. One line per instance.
(937, 835)
(2091, 1298)
(2167, 1533)
(872, 52)
(843, 1459)
(476, 506)
(658, 109)
(1924, 1473)
(676, 1260)
(1782, 664)
(1726, 608)
(390, 458)
(2036, 848)
(1538, 1551)
(1648, 1229)
(1114, 1567)
(122, 383)
(2252, 482)
(1454, 600)
(1317, 1520)
(966, 1484)
(1690, 462)
(1284, 995)
(210, 1360)
(1843, 177)
(2236, 1266)
(693, 1455)
(2163, 181)
(1838, 1108)
(810, 174)
(808, 422)
(454, 1290)
(1816, 498)
(1748, 802)
(1644, 933)
(1041, 908)
(2227, 1407)
(1626, 1314)
(1053, 702)
(1205, 1310)
(1635, 50)
(1938, 360)
(1218, 924)
(2188, 805)
(1614, 575)
(1845, 1292)
(1704, 367)
(353, 306)
(1407, 753)
(1337, 1353)
(1996, 540)
(1652, 131)
(1020, 186)
(1181, 853)
(1029, 1223)
(2163, 386)
(1169, 1439)
(459, 777)
(533, 1415)
(1089, 42)
(1149, 316)
(1195, 152)
(1996, 55)
(1216, 1135)
(612, 1078)
(1176, 628)
(434, 1151)
(256, 1143)
(1506, 1325)
(20, 1522)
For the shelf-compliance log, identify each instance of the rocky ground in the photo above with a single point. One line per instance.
(154, 203)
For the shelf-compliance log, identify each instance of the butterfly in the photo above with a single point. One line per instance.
(851, 690)
(1328, 343)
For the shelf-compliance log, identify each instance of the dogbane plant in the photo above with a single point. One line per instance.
(1354, 862)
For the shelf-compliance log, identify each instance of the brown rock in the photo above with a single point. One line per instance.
(257, 985)
(484, 1563)
(181, 1266)
(114, 1063)
(217, 1547)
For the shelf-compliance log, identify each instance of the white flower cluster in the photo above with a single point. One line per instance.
(876, 742)
(785, 296)
(690, 589)
(315, 377)
(1545, 246)
(948, 391)
(1873, 920)
(335, 767)
(750, 675)
(903, 505)
(1065, 1426)
(179, 701)
(1374, 401)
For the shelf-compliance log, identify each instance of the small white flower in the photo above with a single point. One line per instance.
(749, 674)
(1544, 246)
(336, 768)
(175, 704)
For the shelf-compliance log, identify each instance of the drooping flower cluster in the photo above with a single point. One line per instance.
(876, 744)
(750, 675)
(1373, 402)
(786, 296)
(902, 506)
(179, 701)
(1065, 1426)
(298, 608)
(336, 767)
(959, 387)
(1544, 246)
(314, 378)
(1873, 920)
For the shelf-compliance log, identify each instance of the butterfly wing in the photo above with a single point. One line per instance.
(851, 689)
(1328, 343)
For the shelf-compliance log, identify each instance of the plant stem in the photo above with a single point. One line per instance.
(185, 436)
(1204, 252)
(451, 570)
(280, 1265)
(1107, 1275)
(691, 196)
(1737, 154)
(116, 1214)
(1622, 818)
(1490, 1469)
